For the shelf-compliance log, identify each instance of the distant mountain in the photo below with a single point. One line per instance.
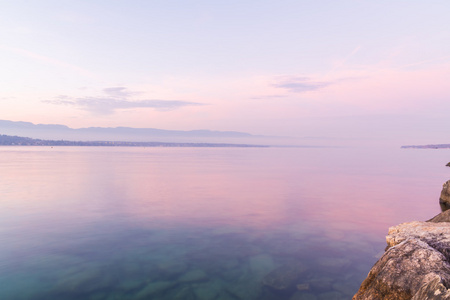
(62, 132)
(8, 140)
(437, 146)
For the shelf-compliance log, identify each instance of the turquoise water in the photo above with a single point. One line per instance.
(218, 223)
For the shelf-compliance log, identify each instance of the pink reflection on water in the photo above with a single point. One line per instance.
(338, 192)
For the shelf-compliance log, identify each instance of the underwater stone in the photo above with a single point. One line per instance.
(129, 284)
(193, 276)
(332, 295)
(154, 288)
(172, 269)
(232, 275)
(182, 292)
(84, 281)
(261, 265)
(207, 291)
(230, 264)
(303, 296)
(245, 289)
(321, 284)
(284, 278)
(334, 263)
(346, 287)
(302, 286)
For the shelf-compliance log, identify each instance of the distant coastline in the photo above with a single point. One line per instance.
(8, 140)
(437, 146)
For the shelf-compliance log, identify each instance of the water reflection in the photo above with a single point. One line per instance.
(102, 223)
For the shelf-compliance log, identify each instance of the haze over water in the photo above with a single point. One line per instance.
(203, 223)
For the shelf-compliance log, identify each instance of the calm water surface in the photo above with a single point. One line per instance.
(204, 223)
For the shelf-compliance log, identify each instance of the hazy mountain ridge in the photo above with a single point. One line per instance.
(436, 146)
(58, 132)
(8, 140)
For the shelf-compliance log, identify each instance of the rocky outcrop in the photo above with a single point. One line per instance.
(444, 199)
(416, 264)
(402, 270)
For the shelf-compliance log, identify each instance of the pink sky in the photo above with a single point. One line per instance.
(302, 69)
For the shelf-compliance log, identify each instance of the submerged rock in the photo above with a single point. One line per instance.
(151, 290)
(303, 296)
(444, 199)
(261, 265)
(172, 269)
(284, 278)
(331, 295)
(194, 276)
(245, 289)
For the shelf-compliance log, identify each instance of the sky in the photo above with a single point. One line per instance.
(334, 70)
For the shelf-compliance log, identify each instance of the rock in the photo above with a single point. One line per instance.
(129, 284)
(442, 217)
(88, 280)
(347, 288)
(303, 296)
(432, 290)
(151, 290)
(331, 296)
(245, 289)
(322, 284)
(436, 235)
(261, 265)
(182, 292)
(208, 290)
(172, 269)
(284, 278)
(416, 264)
(302, 286)
(417, 254)
(193, 276)
(444, 200)
(333, 263)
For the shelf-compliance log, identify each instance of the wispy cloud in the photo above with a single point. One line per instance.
(268, 97)
(117, 99)
(300, 84)
(49, 60)
(118, 92)
(341, 63)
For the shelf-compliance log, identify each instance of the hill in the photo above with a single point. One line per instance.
(7, 140)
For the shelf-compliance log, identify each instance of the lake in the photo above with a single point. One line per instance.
(104, 223)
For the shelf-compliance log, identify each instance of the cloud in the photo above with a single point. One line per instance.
(118, 92)
(300, 84)
(268, 97)
(109, 105)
